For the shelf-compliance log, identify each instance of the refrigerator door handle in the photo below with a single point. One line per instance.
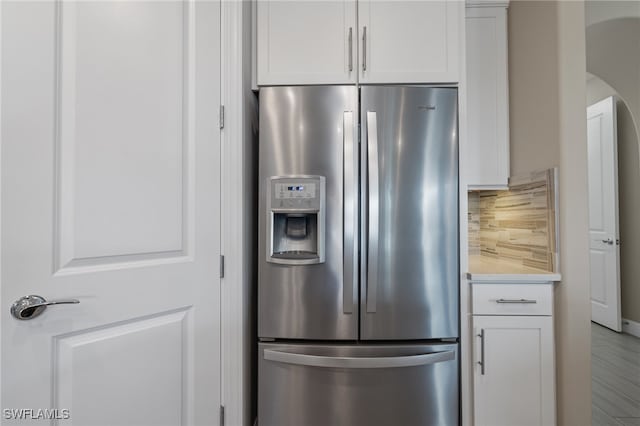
(350, 211)
(373, 207)
(358, 362)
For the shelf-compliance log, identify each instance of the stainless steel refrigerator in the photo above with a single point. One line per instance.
(358, 306)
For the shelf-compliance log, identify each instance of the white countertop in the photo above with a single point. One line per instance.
(487, 269)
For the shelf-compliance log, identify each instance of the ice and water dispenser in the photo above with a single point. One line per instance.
(296, 220)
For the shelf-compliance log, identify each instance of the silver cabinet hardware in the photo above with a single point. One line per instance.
(29, 307)
(350, 49)
(364, 49)
(525, 301)
(481, 362)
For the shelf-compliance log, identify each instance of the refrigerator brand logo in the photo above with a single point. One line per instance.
(426, 107)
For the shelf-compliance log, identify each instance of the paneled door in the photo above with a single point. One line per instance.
(110, 196)
(604, 248)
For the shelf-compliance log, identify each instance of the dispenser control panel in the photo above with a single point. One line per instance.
(296, 192)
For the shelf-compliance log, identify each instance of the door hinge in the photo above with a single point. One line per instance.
(221, 266)
(221, 116)
(222, 415)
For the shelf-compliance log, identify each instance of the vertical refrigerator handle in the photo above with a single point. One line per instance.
(350, 212)
(372, 210)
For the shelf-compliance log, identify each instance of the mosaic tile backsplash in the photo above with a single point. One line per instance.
(474, 223)
(519, 224)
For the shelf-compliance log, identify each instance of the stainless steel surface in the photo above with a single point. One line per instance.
(358, 362)
(481, 362)
(350, 214)
(364, 48)
(417, 253)
(301, 133)
(372, 210)
(608, 241)
(350, 49)
(296, 395)
(526, 301)
(29, 307)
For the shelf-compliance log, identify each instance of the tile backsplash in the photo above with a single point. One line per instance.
(474, 223)
(519, 224)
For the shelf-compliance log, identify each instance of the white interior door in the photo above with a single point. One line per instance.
(110, 195)
(604, 245)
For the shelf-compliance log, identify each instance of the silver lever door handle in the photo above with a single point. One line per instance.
(608, 241)
(29, 307)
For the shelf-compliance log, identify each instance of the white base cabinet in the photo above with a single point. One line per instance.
(514, 377)
(514, 362)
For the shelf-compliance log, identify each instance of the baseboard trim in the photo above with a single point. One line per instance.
(631, 327)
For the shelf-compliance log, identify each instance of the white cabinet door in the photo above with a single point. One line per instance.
(306, 42)
(513, 371)
(410, 41)
(487, 98)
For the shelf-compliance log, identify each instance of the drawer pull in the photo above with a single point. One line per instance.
(526, 301)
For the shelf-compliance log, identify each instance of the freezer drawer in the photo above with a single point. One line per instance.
(353, 385)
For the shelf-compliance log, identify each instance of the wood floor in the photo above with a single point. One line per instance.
(615, 377)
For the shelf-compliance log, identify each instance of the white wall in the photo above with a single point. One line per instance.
(604, 10)
(613, 55)
(548, 128)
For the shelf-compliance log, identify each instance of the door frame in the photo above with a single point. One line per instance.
(238, 207)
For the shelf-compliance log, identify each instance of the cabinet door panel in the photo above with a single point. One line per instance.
(409, 41)
(306, 42)
(487, 98)
(516, 385)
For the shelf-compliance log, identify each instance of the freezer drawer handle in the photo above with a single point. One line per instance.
(356, 362)
(526, 301)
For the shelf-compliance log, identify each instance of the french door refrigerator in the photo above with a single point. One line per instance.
(358, 318)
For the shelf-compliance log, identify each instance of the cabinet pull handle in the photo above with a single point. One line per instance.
(481, 362)
(350, 49)
(525, 301)
(364, 48)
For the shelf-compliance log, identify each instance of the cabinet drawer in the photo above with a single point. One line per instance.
(512, 299)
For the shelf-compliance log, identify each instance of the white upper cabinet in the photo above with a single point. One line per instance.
(410, 41)
(306, 42)
(487, 165)
(393, 41)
